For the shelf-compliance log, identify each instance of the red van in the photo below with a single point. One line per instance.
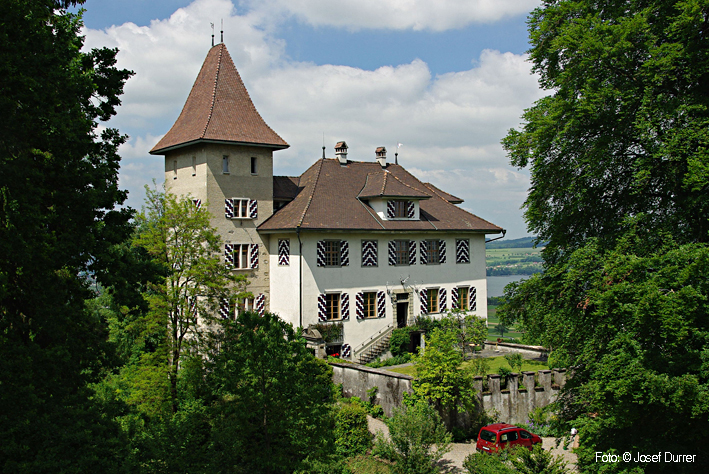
(493, 438)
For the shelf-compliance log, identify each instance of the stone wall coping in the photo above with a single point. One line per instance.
(372, 370)
(517, 346)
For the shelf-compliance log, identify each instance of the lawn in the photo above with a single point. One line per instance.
(492, 323)
(495, 364)
(513, 256)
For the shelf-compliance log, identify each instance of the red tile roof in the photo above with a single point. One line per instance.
(385, 184)
(218, 109)
(327, 199)
(448, 197)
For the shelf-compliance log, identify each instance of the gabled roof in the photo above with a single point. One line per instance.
(385, 184)
(448, 197)
(218, 109)
(328, 199)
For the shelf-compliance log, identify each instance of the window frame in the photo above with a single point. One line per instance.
(429, 244)
(399, 252)
(239, 251)
(254, 166)
(401, 207)
(240, 204)
(225, 164)
(432, 297)
(369, 305)
(332, 299)
(333, 253)
(463, 290)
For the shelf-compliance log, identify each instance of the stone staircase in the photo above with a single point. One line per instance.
(374, 347)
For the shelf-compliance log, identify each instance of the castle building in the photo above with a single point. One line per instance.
(361, 243)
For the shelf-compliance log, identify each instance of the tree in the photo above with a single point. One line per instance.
(58, 219)
(418, 439)
(178, 236)
(515, 360)
(468, 328)
(619, 159)
(274, 399)
(439, 379)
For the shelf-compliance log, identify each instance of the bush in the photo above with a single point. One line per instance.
(399, 341)
(352, 436)
(479, 366)
(479, 463)
(396, 360)
(414, 431)
(515, 360)
(427, 324)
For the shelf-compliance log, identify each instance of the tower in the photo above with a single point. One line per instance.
(220, 151)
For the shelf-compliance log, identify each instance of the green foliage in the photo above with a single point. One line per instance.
(468, 328)
(367, 465)
(58, 223)
(273, 397)
(418, 440)
(399, 341)
(481, 463)
(515, 360)
(330, 332)
(479, 366)
(439, 380)
(427, 323)
(352, 436)
(517, 460)
(396, 360)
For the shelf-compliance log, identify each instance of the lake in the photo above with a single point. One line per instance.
(496, 284)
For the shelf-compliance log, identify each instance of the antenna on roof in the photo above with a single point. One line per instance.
(212, 32)
(222, 38)
(323, 145)
(396, 155)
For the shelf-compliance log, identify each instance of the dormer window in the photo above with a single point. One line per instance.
(400, 209)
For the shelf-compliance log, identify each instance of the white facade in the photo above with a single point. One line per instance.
(290, 289)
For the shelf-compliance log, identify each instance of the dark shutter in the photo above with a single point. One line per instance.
(253, 260)
(229, 208)
(412, 252)
(253, 208)
(442, 303)
(454, 298)
(260, 304)
(410, 209)
(322, 314)
(423, 249)
(462, 251)
(229, 255)
(381, 304)
(345, 306)
(369, 253)
(321, 253)
(283, 251)
(442, 251)
(392, 252)
(359, 303)
(423, 300)
(473, 298)
(346, 350)
(344, 253)
(391, 210)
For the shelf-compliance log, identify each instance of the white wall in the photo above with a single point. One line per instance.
(355, 278)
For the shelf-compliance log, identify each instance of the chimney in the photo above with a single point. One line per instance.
(341, 152)
(381, 154)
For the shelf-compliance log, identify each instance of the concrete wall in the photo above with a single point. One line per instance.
(357, 379)
(512, 404)
(354, 278)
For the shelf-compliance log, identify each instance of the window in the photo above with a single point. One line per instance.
(241, 256)
(194, 165)
(401, 249)
(254, 170)
(246, 305)
(433, 251)
(332, 306)
(332, 253)
(225, 164)
(509, 436)
(241, 208)
(432, 300)
(463, 298)
(525, 435)
(174, 169)
(400, 209)
(370, 304)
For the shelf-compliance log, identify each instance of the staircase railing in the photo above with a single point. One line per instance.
(373, 339)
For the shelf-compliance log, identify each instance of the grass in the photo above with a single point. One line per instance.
(512, 256)
(495, 364)
(368, 465)
(493, 322)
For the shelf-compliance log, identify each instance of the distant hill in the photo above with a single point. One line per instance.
(524, 242)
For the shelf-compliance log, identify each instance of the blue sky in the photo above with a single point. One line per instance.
(446, 80)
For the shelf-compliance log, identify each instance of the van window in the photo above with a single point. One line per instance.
(525, 435)
(488, 436)
(509, 436)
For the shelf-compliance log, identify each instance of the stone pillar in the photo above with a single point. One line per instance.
(493, 384)
(513, 400)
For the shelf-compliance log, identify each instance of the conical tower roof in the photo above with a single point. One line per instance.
(219, 109)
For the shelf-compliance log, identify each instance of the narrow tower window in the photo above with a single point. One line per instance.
(174, 169)
(225, 164)
(253, 165)
(194, 165)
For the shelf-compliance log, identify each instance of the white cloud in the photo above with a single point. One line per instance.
(450, 124)
(430, 15)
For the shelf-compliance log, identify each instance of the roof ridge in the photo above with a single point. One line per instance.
(435, 192)
(312, 192)
(214, 94)
(408, 186)
(384, 182)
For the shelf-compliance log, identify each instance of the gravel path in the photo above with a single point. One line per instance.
(452, 462)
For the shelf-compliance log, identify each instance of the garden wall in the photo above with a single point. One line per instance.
(512, 403)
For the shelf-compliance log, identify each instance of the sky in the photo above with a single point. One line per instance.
(445, 79)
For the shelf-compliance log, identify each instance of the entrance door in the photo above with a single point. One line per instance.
(402, 313)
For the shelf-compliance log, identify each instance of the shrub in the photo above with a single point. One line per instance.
(515, 360)
(399, 341)
(396, 360)
(479, 366)
(478, 463)
(414, 431)
(352, 436)
(537, 461)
